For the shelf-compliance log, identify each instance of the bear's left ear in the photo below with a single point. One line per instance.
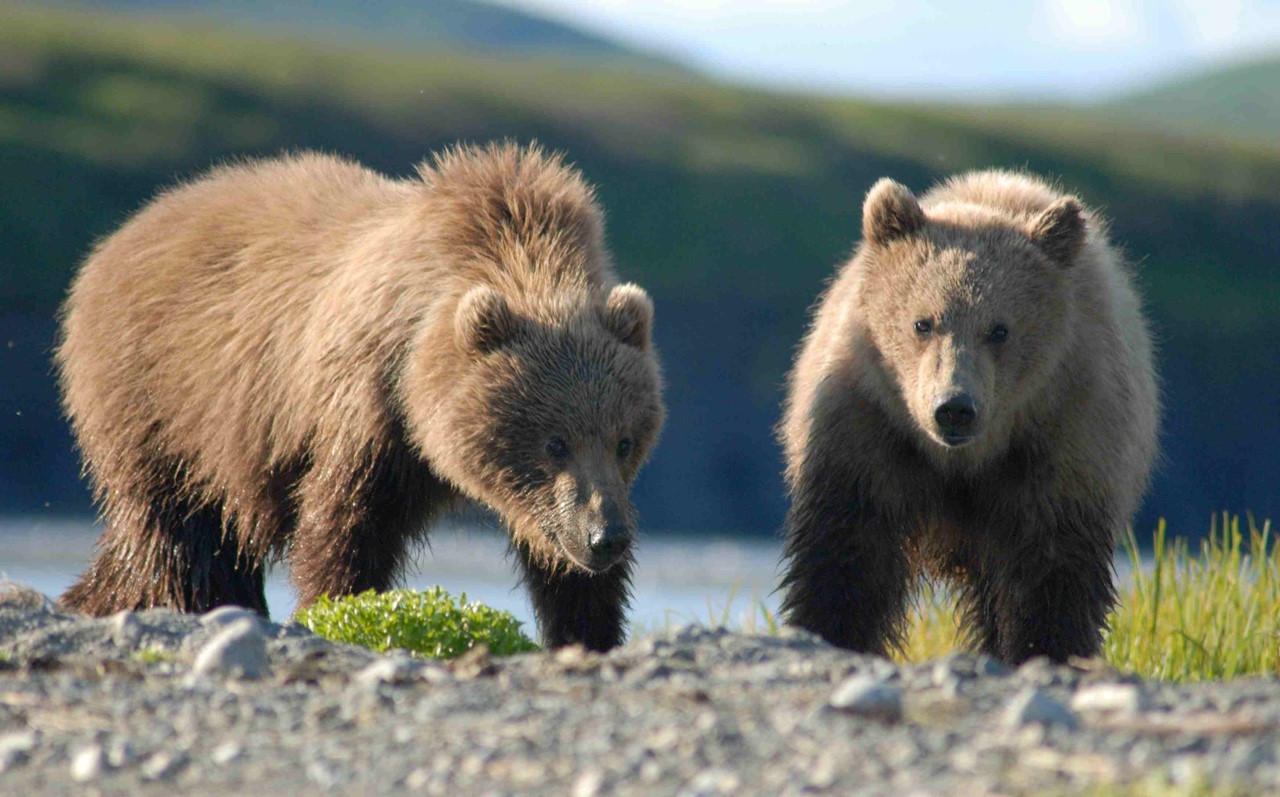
(1060, 230)
(628, 314)
(484, 321)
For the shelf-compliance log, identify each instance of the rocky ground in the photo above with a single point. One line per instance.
(162, 703)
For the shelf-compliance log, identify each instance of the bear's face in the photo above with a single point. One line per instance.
(968, 311)
(559, 418)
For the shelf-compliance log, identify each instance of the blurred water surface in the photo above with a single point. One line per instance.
(678, 578)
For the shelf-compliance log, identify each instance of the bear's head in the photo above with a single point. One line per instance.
(554, 415)
(968, 309)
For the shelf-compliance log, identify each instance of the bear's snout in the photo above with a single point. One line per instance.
(956, 417)
(607, 545)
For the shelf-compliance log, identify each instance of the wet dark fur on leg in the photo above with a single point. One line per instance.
(354, 529)
(160, 550)
(573, 607)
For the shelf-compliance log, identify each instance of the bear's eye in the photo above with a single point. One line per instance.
(624, 447)
(998, 334)
(923, 327)
(557, 448)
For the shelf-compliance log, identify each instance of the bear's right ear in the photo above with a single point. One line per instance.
(484, 321)
(628, 314)
(890, 212)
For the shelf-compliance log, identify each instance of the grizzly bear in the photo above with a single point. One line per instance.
(301, 358)
(975, 401)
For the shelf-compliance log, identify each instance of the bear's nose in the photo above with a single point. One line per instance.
(955, 416)
(608, 544)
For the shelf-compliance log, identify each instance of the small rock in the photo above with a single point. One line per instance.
(1108, 698)
(126, 631)
(988, 667)
(88, 763)
(15, 749)
(588, 783)
(225, 753)
(868, 696)
(714, 781)
(474, 663)
(418, 778)
(1033, 706)
(20, 596)
(224, 616)
(120, 753)
(395, 670)
(571, 656)
(163, 765)
(239, 651)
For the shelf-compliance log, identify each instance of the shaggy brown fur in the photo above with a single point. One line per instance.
(301, 357)
(976, 399)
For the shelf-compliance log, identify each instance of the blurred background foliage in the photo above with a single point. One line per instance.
(732, 205)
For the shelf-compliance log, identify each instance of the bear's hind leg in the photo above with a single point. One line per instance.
(163, 551)
(571, 607)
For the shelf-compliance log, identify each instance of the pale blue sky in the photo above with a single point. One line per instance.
(1072, 48)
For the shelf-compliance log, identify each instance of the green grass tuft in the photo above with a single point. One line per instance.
(430, 623)
(1188, 617)
(1210, 614)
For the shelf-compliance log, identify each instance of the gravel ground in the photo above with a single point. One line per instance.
(162, 703)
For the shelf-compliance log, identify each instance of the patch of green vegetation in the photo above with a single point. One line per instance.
(1210, 616)
(153, 655)
(1183, 615)
(1161, 787)
(430, 623)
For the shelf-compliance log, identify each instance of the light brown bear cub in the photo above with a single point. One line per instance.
(302, 358)
(976, 400)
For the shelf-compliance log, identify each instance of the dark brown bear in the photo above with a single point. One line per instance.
(976, 399)
(302, 358)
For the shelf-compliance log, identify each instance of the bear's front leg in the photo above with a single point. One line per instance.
(1048, 587)
(573, 607)
(846, 572)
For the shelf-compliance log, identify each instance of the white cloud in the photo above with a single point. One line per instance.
(1217, 27)
(934, 47)
(1095, 23)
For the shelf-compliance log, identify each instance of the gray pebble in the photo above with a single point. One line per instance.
(239, 650)
(588, 783)
(163, 765)
(393, 669)
(868, 696)
(126, 631)
(1033, 706)
(1110, 697)
(224, 616)
(15, 748)
(88, 763)
(226, 752)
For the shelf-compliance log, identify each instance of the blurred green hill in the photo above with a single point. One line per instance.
(732, 206)
(1241, 100)
(465, 25)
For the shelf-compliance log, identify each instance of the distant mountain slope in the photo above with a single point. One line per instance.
(1241, 100)
(457, 24)
(731, 206)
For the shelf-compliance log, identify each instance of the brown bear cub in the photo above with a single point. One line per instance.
(301, 358)
(976, 401)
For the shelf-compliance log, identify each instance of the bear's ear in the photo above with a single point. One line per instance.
(628, 314)
(484, 321)
(1059, 231)
(890, 212)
